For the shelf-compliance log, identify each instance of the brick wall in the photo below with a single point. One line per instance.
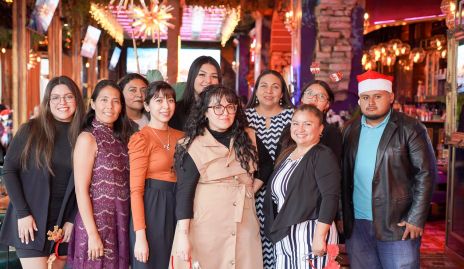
(333, 49)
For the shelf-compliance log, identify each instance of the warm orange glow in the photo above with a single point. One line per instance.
(152, 21)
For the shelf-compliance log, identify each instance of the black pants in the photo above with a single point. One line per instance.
(160, 204)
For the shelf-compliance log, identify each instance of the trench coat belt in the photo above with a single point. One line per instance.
(240, 195)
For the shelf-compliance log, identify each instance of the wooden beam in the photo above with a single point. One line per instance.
(55, 48)
(173, 43)
(20, 53)
(76, 57)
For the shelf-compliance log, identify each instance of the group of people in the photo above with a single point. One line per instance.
(140, 180)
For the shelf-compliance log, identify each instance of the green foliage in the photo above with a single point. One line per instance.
(154, 75)
(6, 37)
(179, 87)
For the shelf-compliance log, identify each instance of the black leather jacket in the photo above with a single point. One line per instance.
(404, 176)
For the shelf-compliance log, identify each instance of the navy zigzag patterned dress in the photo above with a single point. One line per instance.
(270, 138)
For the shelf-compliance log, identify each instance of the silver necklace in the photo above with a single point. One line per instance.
(165, 146)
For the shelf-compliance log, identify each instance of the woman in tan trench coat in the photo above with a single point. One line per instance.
(217, 177)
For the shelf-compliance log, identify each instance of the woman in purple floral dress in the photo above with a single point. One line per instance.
(101, 173)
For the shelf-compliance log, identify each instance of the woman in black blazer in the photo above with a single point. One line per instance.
(38, 176)
(303, 199)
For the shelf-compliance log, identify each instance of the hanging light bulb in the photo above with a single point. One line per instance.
(405, 49)
(375, 53)
(389, 59)
(383, 48)
(365, 58)
(394, 44)
(417, 55)
(443, 54)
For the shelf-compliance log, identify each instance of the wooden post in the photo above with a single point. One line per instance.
(20, 53)
(76, 57)
(103, 62)
(7, 75)
(55, 48)
(173, 43)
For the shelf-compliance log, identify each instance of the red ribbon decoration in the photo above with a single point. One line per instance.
(57, 244)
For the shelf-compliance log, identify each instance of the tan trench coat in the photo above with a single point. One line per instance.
(224, 232)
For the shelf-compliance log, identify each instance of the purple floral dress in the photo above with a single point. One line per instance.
(109, 194)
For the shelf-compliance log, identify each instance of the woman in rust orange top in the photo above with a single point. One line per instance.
(153, 181)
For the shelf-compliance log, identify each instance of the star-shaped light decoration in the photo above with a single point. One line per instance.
(152, 21)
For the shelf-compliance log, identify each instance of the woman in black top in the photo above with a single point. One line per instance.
(38, 176)
(302, 197)
(319, 94)
(203, 72)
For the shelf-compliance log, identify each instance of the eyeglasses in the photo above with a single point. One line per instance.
(219, 109)
(56, 99)
(319, 96)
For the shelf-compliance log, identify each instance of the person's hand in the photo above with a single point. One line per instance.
(26, 228)
(319, 246)
(95, 249)
(183, 247)
(411, 230)
(67, 230)
(141, 250)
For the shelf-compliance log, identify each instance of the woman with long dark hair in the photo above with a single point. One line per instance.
(39, 177)
(203, 72)
(134, 87)
(153, 181)
(217, 177)
(303, 193)
(100, 237)
(268, 111)
(319, 94)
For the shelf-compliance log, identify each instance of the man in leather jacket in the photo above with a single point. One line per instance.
(389, 169)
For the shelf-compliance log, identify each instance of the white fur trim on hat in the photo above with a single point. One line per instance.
(379, 84)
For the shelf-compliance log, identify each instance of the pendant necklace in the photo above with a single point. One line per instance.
(165, 146)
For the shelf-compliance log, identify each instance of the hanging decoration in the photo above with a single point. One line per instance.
(448, 7)
(229, 24)
(315, 68)
(106, 20)
(417, 55)
(153, 20)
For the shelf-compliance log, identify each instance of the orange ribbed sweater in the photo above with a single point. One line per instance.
(148, 159)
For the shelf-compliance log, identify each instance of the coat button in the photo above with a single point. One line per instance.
(234, 203)
(232, 262)
(233, 233)
(235, 177)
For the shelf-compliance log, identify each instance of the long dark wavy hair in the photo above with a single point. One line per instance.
(41, 137)
(188, 98)
(286, 100)
(121, 127)
(197, 123)
(288, 145)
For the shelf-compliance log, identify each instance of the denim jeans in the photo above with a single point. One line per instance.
(366, 252)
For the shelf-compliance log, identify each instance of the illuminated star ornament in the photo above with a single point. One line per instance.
(153, 20)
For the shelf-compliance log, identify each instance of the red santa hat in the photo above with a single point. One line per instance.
(371, 80)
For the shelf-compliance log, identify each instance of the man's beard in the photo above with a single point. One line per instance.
(376, 117)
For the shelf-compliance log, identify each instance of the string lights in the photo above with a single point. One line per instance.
(106, 20)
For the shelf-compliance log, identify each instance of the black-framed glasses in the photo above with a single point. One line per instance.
(219, 109)
(319, 96)
(56, 99)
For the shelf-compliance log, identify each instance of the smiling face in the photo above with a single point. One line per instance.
(269, 91)
(220, 123)
(206, 76)
(62, 103)
(134, 94)
(306, 128)
(161, 108)
(316, 95)
(107, 105)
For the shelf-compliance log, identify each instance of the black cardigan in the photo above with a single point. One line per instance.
(313, 192)
(29, 192)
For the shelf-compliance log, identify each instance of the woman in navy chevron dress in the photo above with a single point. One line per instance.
(268, 112)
